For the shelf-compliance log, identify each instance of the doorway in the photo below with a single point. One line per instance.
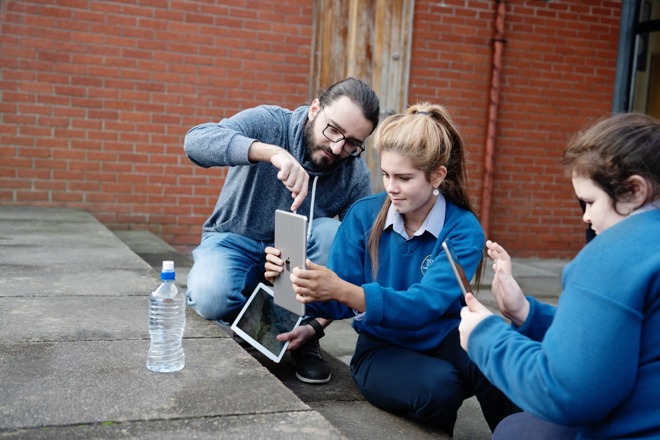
(369, 40)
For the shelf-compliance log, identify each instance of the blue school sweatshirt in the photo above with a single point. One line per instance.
(593, 361)
(415, 300)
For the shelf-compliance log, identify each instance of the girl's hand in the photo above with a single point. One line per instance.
(471, 316)
(274, 264)
(506, 291)
(316, 283)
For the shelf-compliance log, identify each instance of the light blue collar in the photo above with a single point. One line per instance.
(650, 206)
(433, 223)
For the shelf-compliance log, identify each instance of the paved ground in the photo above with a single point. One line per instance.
(339, 400)
(73, 343)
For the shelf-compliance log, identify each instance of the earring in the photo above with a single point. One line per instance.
(436, 192)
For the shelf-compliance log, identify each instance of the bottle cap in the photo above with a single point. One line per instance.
(167, 273)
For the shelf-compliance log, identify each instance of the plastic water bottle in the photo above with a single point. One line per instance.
(167, 319)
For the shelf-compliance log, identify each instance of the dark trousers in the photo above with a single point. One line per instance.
(525, 425)
(428, 387)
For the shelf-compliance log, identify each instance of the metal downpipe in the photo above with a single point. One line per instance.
(493, 107)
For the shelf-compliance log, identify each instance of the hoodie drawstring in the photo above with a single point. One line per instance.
(311, 209)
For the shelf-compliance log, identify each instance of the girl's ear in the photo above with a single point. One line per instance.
(438, 176)
(639, 190)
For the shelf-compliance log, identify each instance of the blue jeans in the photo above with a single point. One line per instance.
(428, 387)
(227, 267)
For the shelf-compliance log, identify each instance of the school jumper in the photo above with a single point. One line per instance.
(408, 357)
(594, 360)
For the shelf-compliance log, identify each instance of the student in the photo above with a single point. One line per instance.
(589, 368)
(272, 152)
(589, 234)
(387, 270)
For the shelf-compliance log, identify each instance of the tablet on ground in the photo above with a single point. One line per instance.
(261, 320)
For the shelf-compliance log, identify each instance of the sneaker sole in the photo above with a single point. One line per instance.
(316, 381)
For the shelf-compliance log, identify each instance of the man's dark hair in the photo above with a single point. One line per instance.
(358, 92)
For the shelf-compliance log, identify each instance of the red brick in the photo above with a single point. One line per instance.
(109, 89)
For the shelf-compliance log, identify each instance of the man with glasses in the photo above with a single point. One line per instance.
(271, 153)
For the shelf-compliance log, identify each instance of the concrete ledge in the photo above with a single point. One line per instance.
(339, 401)
(73, 344)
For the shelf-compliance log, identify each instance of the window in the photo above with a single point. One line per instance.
(637, 85)
(645, 78)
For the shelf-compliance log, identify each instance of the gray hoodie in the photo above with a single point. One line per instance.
(252, 192)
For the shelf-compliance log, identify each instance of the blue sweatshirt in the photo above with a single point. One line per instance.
(594, 361)
(415, 300)
(251, 192)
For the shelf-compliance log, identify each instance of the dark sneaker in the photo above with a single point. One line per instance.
(310, 366)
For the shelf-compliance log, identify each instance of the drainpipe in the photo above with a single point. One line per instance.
(493, 106)
(622, 81)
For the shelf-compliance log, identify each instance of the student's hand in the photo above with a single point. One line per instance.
(297, 337)
(274, 264)
(471, 316)
(316, 283)
(506, 291)
(292, 175)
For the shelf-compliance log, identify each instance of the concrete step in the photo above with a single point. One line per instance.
(339, 401)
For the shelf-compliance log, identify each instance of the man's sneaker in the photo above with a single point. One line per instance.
(310, 366)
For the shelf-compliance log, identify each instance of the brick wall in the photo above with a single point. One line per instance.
(97, 96)
(558, 73)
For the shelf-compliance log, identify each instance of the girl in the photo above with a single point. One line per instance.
(589, 368)
(387, 270)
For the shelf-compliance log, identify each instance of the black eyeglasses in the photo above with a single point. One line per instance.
(333, 134)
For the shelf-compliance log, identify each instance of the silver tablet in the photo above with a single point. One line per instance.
(261, 320)
(291, 240)
(456, 267)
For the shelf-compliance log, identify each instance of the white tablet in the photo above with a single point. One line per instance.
(459, 273)
(261, 320)
(291, 240)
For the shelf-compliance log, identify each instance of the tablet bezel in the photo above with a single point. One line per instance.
(250, 309)
(456, 267)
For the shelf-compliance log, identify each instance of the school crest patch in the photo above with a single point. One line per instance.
(426, 264)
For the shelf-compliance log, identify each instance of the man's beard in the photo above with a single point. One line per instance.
(320, 161)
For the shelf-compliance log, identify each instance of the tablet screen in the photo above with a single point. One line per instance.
(261, 320)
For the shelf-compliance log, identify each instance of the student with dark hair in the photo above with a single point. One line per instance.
(589, 234)
(590, 367)
(271, 153)
(388, 271)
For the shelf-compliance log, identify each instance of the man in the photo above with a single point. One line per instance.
(272, 152)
